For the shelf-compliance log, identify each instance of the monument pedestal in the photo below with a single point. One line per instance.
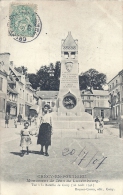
(83, 126)
(71, 112)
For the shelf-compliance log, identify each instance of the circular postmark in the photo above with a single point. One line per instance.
(25, 25)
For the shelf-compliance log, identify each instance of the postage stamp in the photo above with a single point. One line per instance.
(24, 23)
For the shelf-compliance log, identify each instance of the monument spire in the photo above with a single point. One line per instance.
(69, 41)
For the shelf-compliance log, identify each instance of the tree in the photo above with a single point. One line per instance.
(34, 80)
(92, 79)
(43, 76)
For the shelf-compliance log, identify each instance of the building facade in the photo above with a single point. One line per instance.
(96, 102)
(16, 94)
(4, 69)
(116, 96)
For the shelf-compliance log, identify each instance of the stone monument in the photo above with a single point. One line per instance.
(71, 112)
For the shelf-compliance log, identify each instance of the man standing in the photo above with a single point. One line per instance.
(6, 120)
(19, 118)
(45, 130)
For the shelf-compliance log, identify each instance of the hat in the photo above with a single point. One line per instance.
(26, 123)
(47, 105)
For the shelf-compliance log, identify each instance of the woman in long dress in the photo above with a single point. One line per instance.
(97, 122)
(45, 131)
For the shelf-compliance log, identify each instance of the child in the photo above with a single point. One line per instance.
(101, 125)
(25, 138)
(15, 122)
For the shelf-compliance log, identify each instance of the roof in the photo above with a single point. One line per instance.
(4, 53)
(35, 95)
(28, 83)
(11, 90)
(69, 41)
(47, 94)
(100, 92)
(10, 82)
(119, 73)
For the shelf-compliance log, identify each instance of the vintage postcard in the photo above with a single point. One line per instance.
(61, 97)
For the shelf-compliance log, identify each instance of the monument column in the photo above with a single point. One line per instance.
(69, 98)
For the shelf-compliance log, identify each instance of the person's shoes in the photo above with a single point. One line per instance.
(46, 154)
(42, 153)
(22, 154)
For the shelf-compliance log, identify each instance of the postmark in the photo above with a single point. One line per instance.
(24, 23)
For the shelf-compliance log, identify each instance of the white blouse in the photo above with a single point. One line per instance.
(47, 118)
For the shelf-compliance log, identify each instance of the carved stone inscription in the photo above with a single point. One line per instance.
(69, 80)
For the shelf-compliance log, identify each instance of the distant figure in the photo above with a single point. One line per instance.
(29, 119)
(101, 125)
(15, 122)
(97, 122)
(6, 120)
(19, 118)
(45, 131)
(25, 138)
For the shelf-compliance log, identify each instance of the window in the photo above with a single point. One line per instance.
(112, 85)
(101, 97)
(66, 54)
(1, 83)
(116, 82)
(73, 55)
(30, 98)
(88, 97)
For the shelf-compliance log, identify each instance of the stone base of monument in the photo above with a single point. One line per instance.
(82, 126)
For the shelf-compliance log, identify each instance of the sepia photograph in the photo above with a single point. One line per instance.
(61, 97)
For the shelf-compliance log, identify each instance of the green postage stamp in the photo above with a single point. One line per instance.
(22, 20)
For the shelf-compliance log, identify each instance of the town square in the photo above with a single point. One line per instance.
(61, 96)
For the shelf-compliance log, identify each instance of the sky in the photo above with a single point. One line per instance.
(96, 24)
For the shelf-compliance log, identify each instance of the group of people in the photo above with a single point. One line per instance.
(44, 134)
(99, 124)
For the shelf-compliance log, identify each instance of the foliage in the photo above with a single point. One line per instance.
(92, 79)
(48, 78)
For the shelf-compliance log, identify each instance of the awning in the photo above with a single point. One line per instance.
(13, 104)
(35, 107)
(11, 90)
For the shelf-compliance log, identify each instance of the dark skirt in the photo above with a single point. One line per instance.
(44, 136)
(6, 121)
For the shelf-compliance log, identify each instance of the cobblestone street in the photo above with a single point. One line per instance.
(69, 155)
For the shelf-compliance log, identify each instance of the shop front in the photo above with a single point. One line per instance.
(2, 104)
(11, 108)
